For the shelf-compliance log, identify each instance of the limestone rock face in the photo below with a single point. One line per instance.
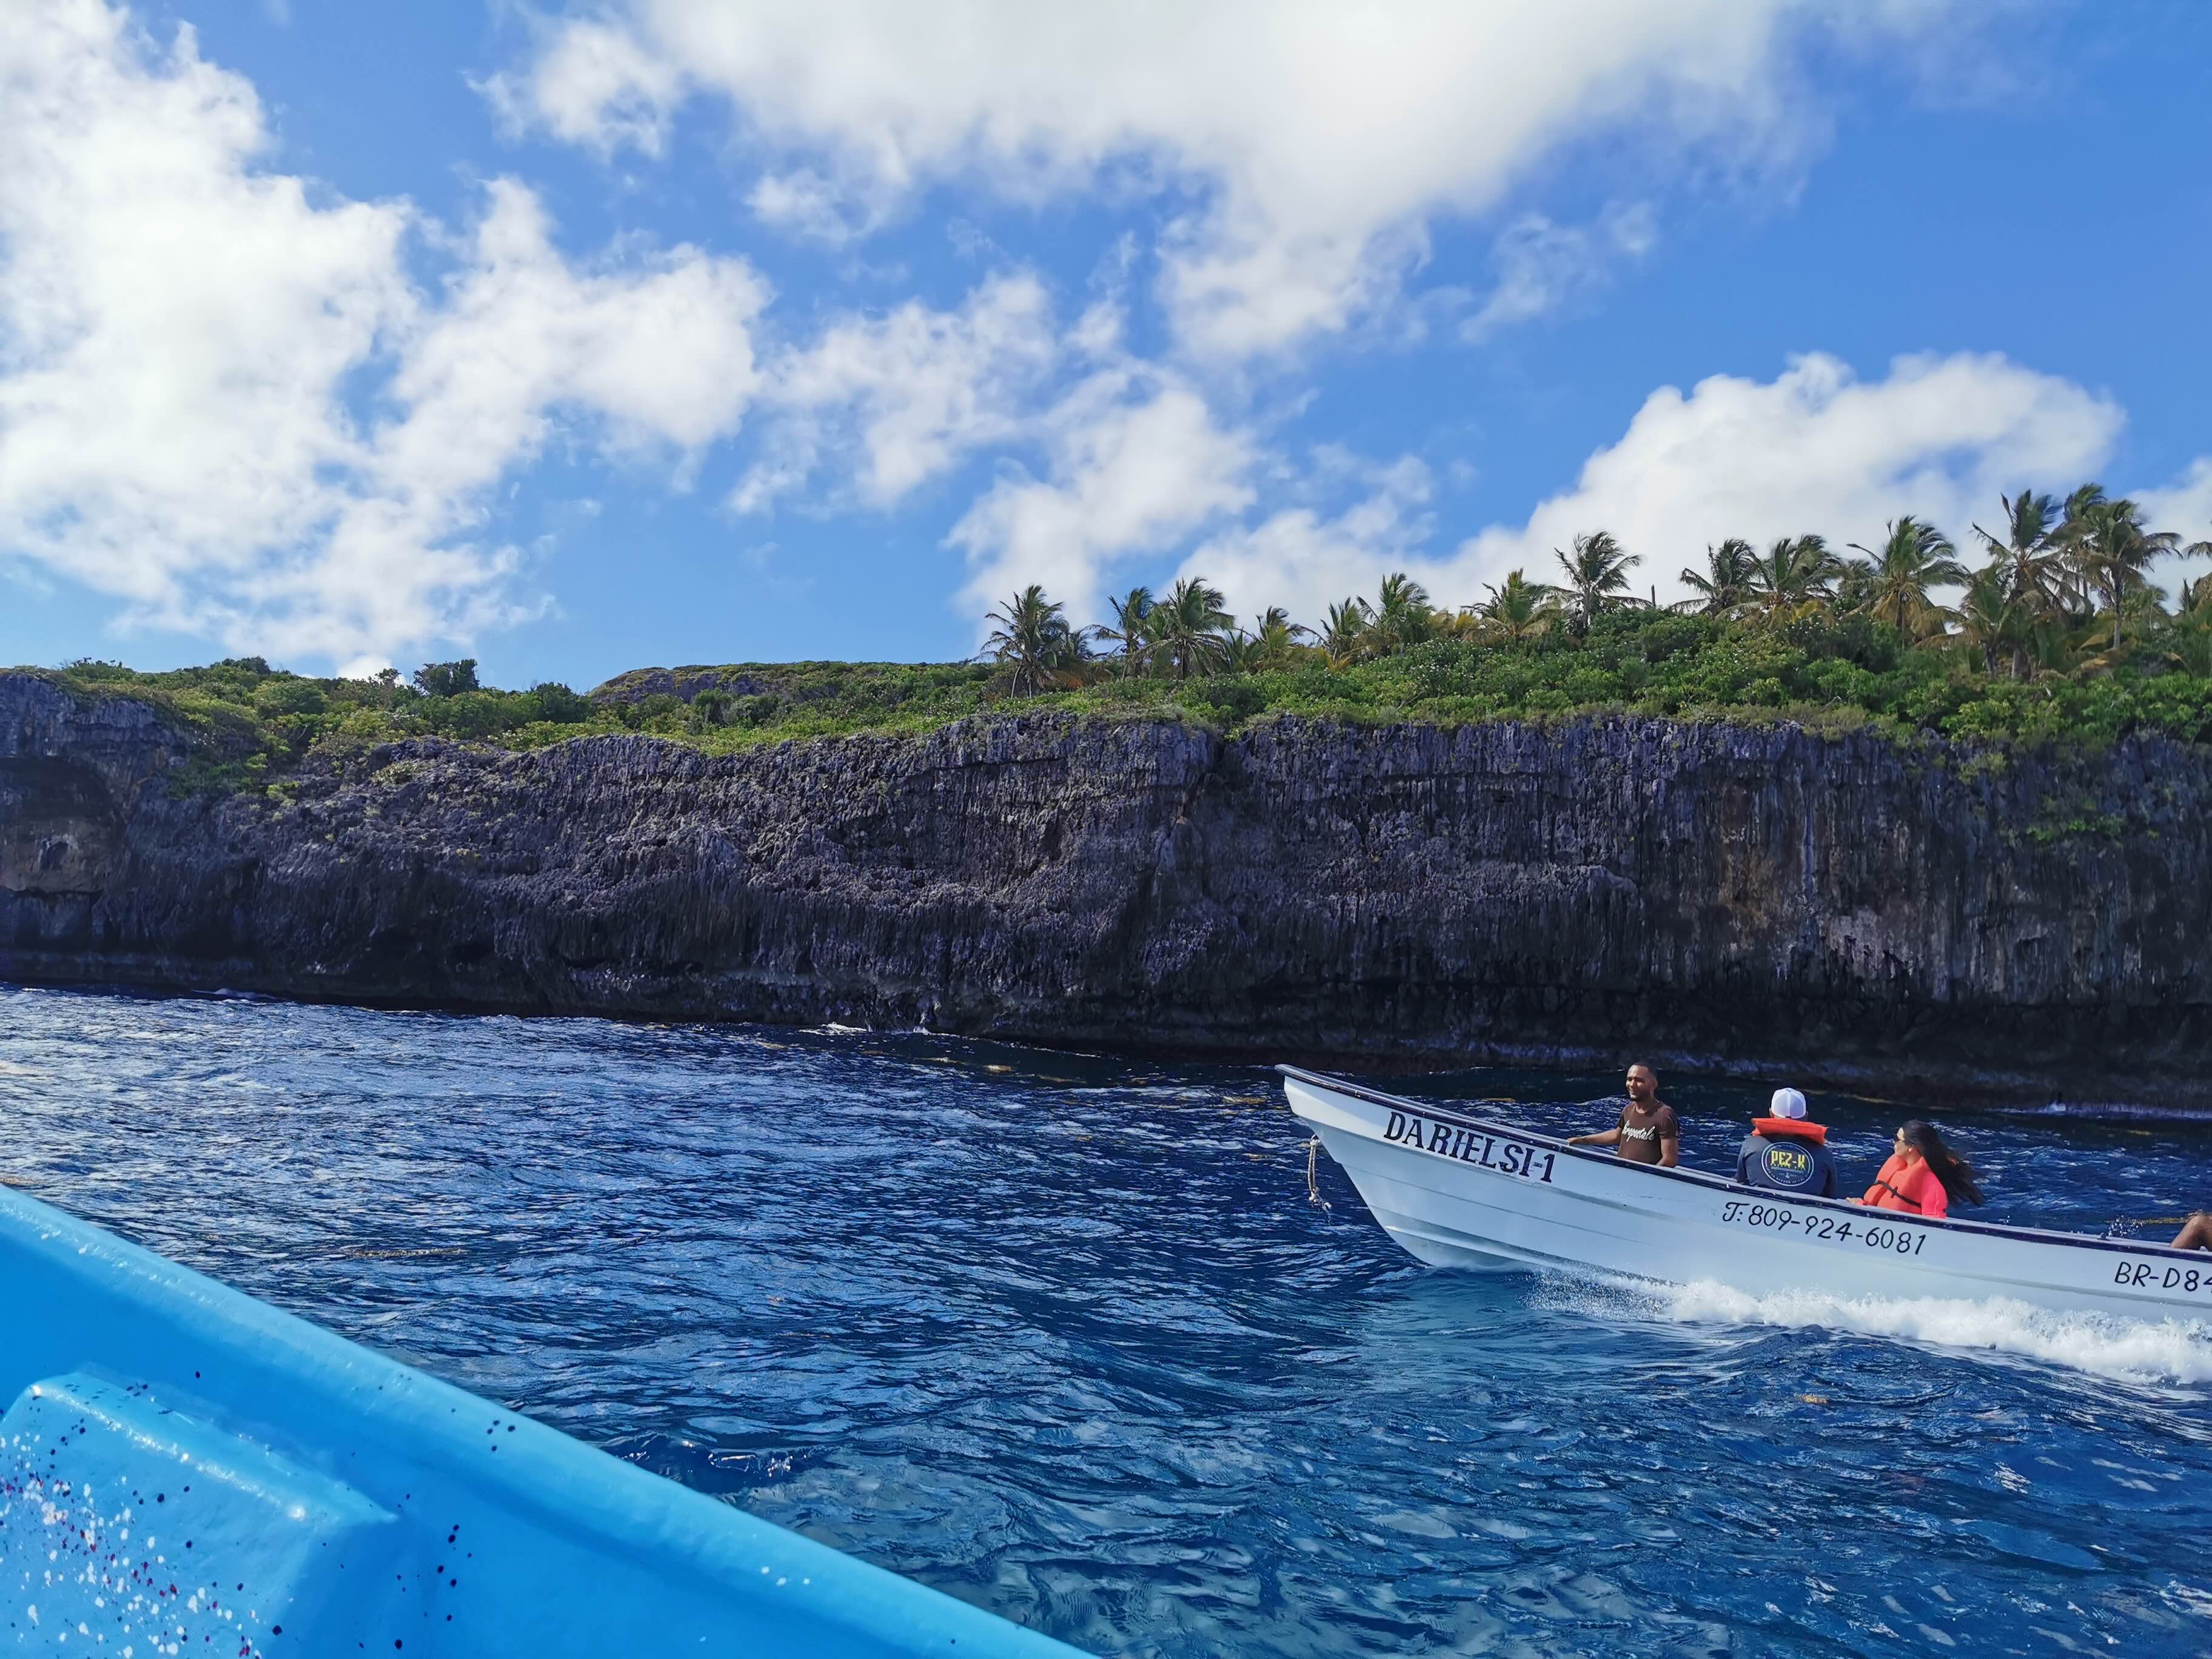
(1761, 899)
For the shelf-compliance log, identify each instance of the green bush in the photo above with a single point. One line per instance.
(289, 696)
(1231, 697)
(552, 702)
(447, 679)
(474, 714)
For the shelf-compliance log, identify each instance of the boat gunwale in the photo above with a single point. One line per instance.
(1705, 1178)
(573, 1489)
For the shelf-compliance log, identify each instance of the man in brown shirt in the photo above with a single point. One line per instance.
(1648, 1132)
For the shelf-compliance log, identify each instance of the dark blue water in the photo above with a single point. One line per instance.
(1064, 1337)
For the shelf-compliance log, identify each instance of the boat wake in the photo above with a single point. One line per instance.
(2129, 1350)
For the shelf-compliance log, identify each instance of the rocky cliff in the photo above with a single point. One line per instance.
(1761, 899)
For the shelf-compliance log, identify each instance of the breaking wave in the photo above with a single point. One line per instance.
(2130, 1350)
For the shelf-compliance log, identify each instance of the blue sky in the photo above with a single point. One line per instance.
(577, 338)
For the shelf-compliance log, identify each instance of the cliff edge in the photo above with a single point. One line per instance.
(1830, 908)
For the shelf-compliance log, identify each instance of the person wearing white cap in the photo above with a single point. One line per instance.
(1786, 1151)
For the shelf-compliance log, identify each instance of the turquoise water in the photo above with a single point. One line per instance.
(1065, 1338)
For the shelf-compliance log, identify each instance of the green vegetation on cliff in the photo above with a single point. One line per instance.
(1819, 669)
(2059, 635)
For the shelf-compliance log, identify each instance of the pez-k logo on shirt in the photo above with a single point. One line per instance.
(1787, 1166)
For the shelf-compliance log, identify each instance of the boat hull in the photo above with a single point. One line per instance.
(184, 1468)
(1458, 1190)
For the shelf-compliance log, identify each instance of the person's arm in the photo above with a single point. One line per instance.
(1607, 1137)
(1670, 1150)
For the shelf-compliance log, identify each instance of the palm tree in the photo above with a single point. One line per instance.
(1272, 643)
(1276, 639)
(2084, 497)
(1128, 627)
(1995, 623)
(1518, 609)
(2191, 651)
(1914, 557)
(1033, 644)
(1401, 616)
(2111, 551)
(1188, 629)
(2057, 651)
(1464, 623)
(1342, 631)
(1726, 586)
(2188, 645)
(2077, 593)
(1240, 652)
(1853, 589)
(1795, 573)
(2028, 556)
(1597, 577)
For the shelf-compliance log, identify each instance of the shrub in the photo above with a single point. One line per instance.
(447, 679)
(473, 714)
(1229, 697)
(554, 701)
(289, 696)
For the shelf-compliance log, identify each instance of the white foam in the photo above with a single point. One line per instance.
(2137, 1351)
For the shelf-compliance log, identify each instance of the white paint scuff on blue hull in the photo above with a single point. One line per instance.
(1457, 1190)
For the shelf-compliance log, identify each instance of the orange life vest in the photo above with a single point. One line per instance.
(1771, 1127)
(1914, 1191)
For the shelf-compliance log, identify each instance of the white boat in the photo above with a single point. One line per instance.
(1459, 1190)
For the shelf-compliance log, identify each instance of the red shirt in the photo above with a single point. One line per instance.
(1922, 1193)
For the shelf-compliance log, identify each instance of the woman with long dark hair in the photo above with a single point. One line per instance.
(1923, 1175)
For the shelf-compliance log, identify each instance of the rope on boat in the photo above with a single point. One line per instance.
(1313, 1175)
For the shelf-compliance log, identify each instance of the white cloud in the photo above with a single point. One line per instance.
(1541, 264)
(804, 204)
(223, 402)
(1306, 560)
(651, 357)
(1138, 466)
(1319, 137)
(2186, 508)
(593, 84)
(1814, 449)
(2184, 505)
(892, 401)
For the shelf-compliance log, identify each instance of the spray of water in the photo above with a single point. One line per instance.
(2134, 1350)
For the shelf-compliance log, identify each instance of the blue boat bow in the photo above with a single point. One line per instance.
(186, 1470)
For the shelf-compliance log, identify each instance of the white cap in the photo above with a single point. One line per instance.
(1787, 1103)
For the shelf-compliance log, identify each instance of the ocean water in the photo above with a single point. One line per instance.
(1065, 1337)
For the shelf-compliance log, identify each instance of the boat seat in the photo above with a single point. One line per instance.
(126, 1526)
